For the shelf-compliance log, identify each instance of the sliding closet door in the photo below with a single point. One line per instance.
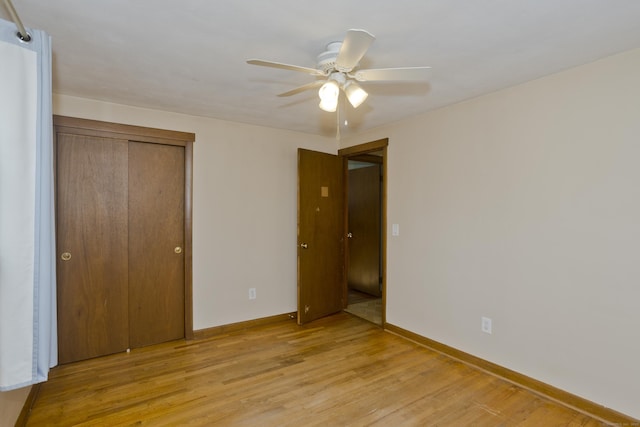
(156, 243)
(92, 239)
(123, 197)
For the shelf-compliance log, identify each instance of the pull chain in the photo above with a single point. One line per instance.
(338, 122)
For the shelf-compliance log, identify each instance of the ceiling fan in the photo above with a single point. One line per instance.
(337, 70)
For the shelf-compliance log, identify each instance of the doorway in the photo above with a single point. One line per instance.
(323, 220)
(365, 222)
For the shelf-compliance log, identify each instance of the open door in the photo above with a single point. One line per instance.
(320, 235)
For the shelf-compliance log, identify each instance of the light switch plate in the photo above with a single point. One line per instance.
(486, 325)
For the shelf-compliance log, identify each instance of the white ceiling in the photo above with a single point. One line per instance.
(189, 56)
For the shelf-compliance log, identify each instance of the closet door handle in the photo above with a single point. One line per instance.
(177, 250)
(66, 256)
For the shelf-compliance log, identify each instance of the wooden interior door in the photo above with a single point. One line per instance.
(156, 243)
(363, 270)
(320, 235)
(91, 180)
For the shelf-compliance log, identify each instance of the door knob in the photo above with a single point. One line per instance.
(304, 245)
(66, 256)
(350, 235)
(178, 250)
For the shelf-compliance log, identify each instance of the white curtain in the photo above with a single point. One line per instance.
(28, 337)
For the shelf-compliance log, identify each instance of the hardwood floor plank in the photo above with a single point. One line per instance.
(340, 370)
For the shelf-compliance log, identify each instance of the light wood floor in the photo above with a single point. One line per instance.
(337, 371)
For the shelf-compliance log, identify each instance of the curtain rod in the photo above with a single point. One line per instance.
(22, 32)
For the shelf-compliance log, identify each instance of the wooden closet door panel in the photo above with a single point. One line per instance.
(156, 243)
(91, 180)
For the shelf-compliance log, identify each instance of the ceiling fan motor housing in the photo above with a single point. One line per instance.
(327, 59)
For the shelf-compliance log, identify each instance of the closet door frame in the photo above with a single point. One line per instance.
(76, 126)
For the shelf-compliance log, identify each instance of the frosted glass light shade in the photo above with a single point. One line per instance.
(328, 94)
(355, 94)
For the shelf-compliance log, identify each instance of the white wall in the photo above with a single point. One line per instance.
(11, 403)
(244, 208)
(524, 206)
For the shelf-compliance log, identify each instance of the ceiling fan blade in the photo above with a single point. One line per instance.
(393, 74)
(302, 88)
(353, 48)
(282, 66)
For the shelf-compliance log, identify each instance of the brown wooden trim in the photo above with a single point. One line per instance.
(384, 233)
(188, 241)
(122, 136)
(560, 396)
(345, 227)
(28, 404)
(364, 148)
(368, 158)
(134, 133)
(231, 327)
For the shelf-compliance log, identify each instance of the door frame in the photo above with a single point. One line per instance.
(73, 125)
(379, 145)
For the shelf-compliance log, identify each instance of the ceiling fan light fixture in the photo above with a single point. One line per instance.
(355, 94)
(340, 65)
(328, 94)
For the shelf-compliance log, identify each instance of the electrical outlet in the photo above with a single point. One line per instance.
(252, 293)
(486, 325)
